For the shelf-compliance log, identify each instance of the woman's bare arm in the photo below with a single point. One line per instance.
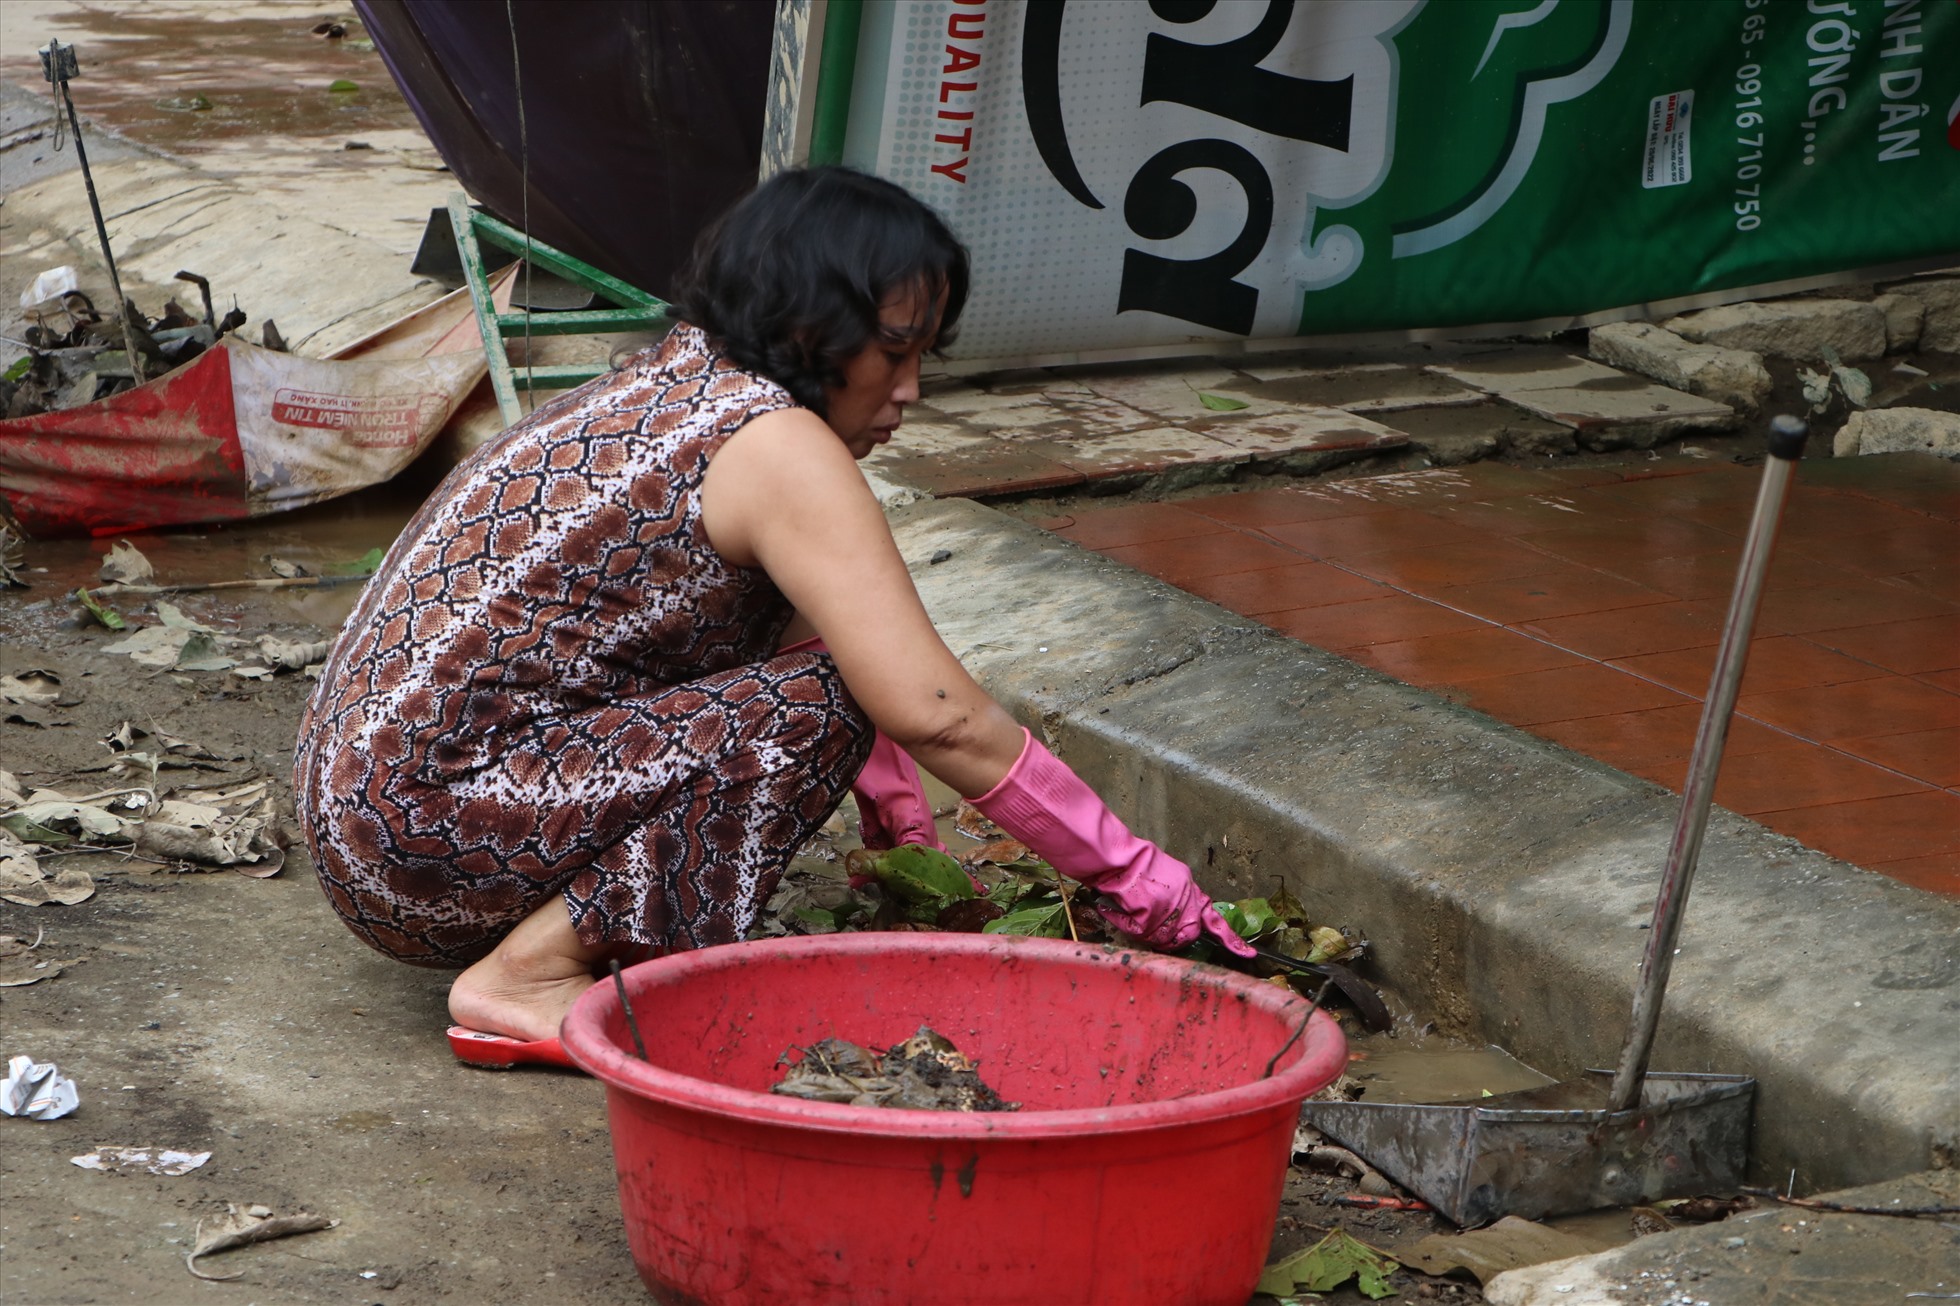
(784, 494)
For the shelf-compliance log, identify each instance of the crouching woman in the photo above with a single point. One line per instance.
(633, 652)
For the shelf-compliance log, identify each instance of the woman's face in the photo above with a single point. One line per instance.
(883, 377)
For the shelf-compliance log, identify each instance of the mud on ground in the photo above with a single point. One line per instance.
(213, 1012)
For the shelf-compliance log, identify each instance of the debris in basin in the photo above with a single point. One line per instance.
(1327, 1265)
(241, 1226)
(1001, 887)
(37, 1090)
(924, 1073)
(79, 356)
(140, 1160)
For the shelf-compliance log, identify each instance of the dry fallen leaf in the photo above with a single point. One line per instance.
(1000, 852)
(973, 823)
(18, 964)
(36, 688)
(126, 565)
(241, 1226)
(292, 655)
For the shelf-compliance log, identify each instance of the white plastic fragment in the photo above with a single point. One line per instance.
(148, 1160)
(37, 1090)
(51, 284)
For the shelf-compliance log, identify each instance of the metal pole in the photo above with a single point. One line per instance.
(59, 63)
(1787, 435)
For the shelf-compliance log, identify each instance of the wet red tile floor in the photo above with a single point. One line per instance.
(1584, 605)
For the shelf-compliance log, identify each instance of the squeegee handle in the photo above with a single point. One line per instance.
(1786, 441)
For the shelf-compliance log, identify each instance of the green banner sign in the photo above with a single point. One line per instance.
(1133, 174)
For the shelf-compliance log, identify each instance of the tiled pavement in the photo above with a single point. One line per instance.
(1584, 605)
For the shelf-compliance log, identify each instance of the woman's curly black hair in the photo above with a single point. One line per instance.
(789, 282)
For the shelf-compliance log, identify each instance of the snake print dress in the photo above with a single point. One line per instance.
(554, 684)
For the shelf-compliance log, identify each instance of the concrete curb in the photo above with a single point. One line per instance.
(1503, 880)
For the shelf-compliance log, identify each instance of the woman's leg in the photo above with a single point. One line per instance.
(647, 825)
(529, 981)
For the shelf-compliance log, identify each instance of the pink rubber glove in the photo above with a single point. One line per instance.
(1046, 806)
(892, 806)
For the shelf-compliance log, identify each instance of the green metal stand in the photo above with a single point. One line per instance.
(637, 310)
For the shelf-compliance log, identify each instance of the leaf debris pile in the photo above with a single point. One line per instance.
(1001, 887)
(923, 1073)
(78, 354)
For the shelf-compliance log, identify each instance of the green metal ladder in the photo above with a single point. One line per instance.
(636, 309)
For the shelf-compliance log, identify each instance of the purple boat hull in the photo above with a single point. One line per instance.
(642, 119)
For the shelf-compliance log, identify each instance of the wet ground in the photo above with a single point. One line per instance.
(236, 1015)
(244, 91)
(214, 1012)
(217, 1012)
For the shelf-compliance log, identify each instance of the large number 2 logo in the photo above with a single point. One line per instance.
(1222, 79)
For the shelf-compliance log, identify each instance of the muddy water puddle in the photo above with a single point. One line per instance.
(320, 539)
(190, 79)
(1431, 1070)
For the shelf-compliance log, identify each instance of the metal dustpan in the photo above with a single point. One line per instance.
(1613, 1138)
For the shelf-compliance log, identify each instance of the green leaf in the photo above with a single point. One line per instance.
(28, 830)
(341, 86)
(1329, 944)
(1287, 907)
(19, 369)
(1042, 922)
(918, 875)
(365, 565)
(106, 615)
(1328, 1264)
(1259, 917)
(1221, 403)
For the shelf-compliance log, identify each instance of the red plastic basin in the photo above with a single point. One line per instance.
(1144, 1166)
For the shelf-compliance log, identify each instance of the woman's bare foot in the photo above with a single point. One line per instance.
(526, 985)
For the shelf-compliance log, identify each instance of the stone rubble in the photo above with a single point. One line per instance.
(1899, 430)
(1793, 328)
(1735, 377)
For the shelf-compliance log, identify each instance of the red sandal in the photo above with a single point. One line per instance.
(501, 1052)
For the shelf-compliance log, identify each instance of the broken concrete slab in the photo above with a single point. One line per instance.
(1899, 430)
(1260, 761)
(1778, 1256)
(1627, 413)
(1134, 453)
(1734, 377)
(1514, 371)
(1453, 434)
(1061, 409)
(1790, 328)
(1163, 391)
(1374, 388)
(1303, 429)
